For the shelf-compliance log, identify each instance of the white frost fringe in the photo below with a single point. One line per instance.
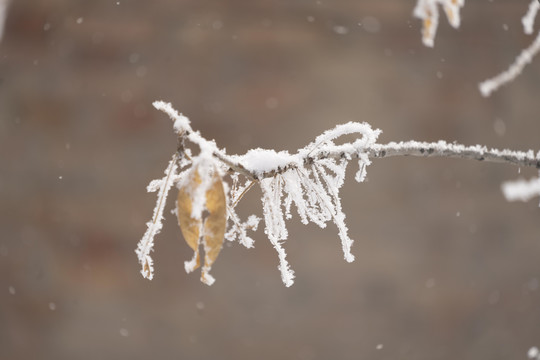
(275, 224)
(146, 244)
(312, 188)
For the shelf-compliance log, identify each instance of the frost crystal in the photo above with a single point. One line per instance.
(312, 185)
(181, 123)
(275, 223)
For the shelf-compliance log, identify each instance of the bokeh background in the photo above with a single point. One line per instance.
(445, 269)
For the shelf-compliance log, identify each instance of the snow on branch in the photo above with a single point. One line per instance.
(452, 150)
(530, 16)
(310, 180)
(146, 244)
(489, 86)
(521, 190)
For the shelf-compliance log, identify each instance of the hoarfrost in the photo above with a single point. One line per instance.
(238, 229)
(275, 223)
(181, 123)
(312, 185)
(146, 244)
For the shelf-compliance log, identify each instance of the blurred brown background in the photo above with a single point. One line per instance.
(445, 269)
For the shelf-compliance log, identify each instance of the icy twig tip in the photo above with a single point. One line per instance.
(181, 122)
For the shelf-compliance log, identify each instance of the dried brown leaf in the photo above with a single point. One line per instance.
(146, 269)
(189, 226)
(214, 225)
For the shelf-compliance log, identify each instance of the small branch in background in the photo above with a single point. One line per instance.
(428, 12)
(489, 86)
(521, 190)
(4, 5)
(528, 19)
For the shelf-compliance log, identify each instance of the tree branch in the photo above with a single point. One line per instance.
(317, 173)
(324, 148)
(408, 148)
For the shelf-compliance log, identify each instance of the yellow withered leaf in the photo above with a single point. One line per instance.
(214, 224)
(189, 226)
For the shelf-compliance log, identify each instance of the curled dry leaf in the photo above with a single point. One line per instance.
(214, 223)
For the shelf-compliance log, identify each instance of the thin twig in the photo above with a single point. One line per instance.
(243, 193)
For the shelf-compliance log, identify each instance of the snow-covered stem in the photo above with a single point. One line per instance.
(316, 151)
(521, 190)
(408, 148)
(530, 16)
(444, 149)
(183, 129)
(146, 244)
(488, 86)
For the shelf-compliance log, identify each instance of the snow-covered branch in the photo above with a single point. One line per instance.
(378, 151)
(310, 180)
(452, 150)
(489, 86)
(521, 190)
